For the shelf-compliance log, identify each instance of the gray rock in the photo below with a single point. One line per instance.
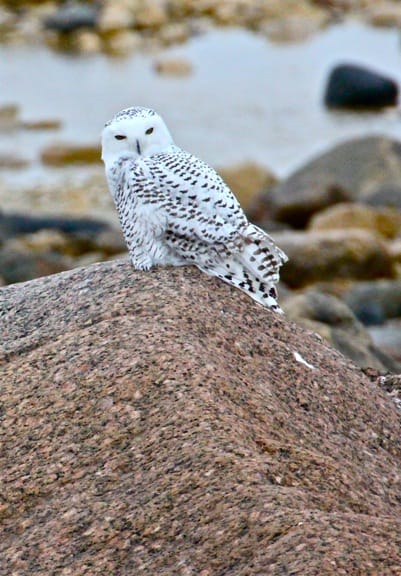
(334, 321)
(20, 266)
(14, 224)
(382, 295)
(72, 16)
(387, 337)
(388, 194)
(33, 246)
(350, 171)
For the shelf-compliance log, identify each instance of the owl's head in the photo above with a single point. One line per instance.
(134, 132)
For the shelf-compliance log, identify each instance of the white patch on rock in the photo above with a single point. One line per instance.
(299, 358)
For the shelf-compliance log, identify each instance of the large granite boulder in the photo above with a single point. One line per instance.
(164, 423)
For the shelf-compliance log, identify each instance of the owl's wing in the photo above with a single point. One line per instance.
(197, 201)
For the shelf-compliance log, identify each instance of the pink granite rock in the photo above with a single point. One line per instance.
(163, 423)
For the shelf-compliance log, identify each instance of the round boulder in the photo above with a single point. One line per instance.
(326, 255)
(381, 220)
(351, 171)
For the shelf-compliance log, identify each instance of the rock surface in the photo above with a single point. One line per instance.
(163, 423)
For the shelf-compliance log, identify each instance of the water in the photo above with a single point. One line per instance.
(247, 99)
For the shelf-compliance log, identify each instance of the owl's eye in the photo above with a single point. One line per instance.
(149, 131)
(120, 137)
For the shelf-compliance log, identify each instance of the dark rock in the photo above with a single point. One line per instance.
(34, 246)
(20, 266)
(71, 16)
(334, 321)
(351, 86)
(387, 337)
(163, 423)
(12, 225)
(349, 172)
(388, 194)
(369, 313)
(382, 295)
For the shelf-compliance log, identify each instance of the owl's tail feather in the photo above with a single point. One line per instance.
(254, 269)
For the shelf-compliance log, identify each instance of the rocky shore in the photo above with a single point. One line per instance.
(122, 27)
(338, 218)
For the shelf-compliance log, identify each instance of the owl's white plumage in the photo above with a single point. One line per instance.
(174, 209)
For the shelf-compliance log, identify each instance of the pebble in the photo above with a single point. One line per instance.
(71, 16)
(48, 124)
(13, 162)
(9, 117)
(385, 14)
(173, 66)
(292, 28)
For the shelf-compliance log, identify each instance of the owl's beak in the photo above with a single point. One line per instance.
(138, 147)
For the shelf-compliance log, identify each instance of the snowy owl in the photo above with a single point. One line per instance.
(174, 209)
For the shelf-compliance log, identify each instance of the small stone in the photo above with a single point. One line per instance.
(123, 43)
(292, 28)
(386, 14)
(382, 295)
(11, 162)
(116, 16)
(9, 117)
(72, 16)
(175, 33)
(41, 124)
(87, 42)
(151, 14)
(62, 154)
(173, 67)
